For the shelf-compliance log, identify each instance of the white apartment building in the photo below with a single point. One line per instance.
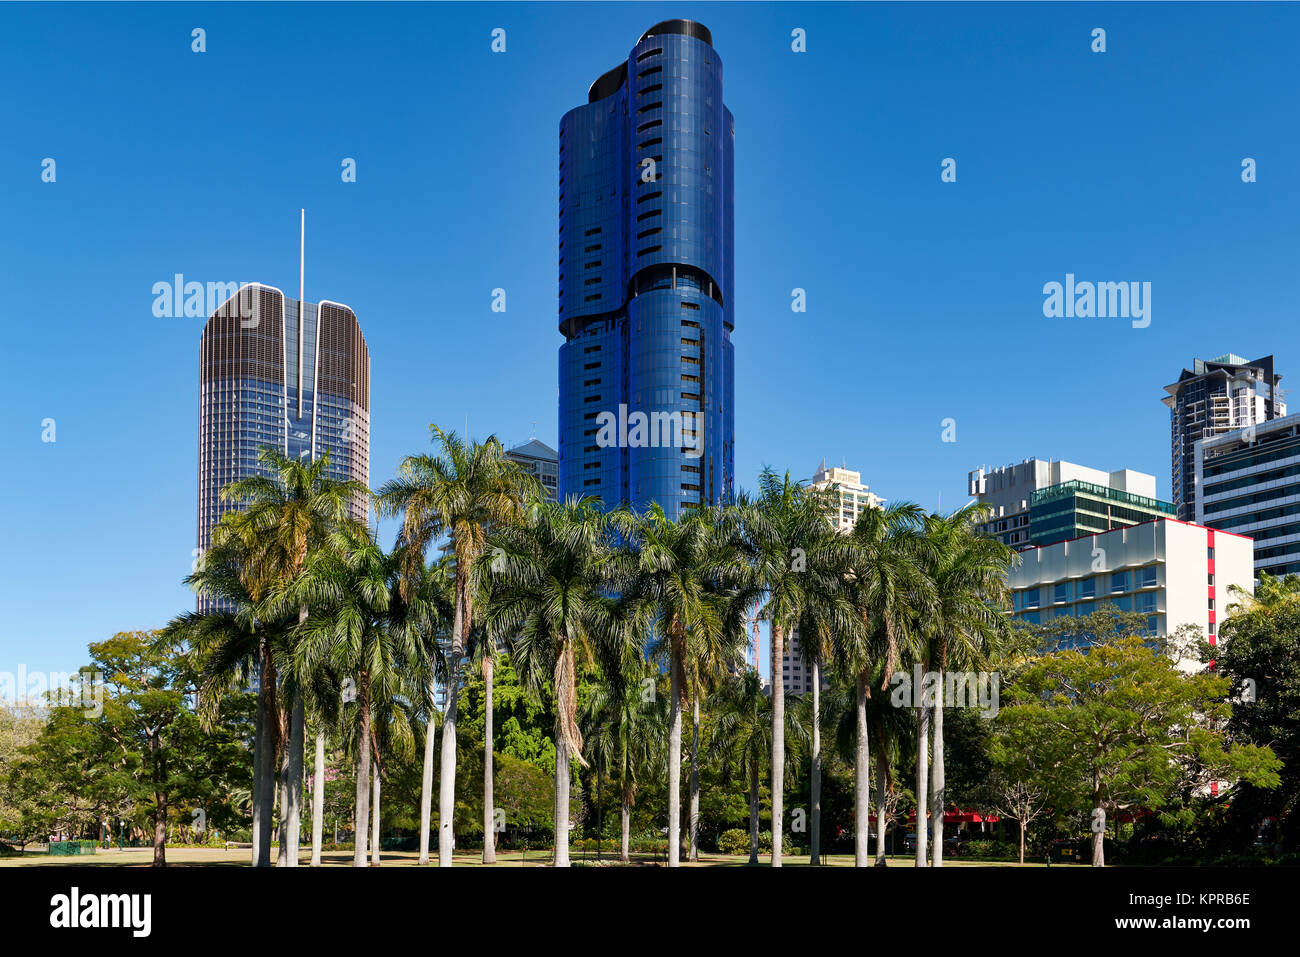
(1175, 573)
(855, 498)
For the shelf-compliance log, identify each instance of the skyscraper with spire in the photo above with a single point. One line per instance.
(287, 373)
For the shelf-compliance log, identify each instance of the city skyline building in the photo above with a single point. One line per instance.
(1174, 573)
(540, 461)
(1213, 397)
(281, 372)
(1248, 482)
(646, 279)
(1038, 502)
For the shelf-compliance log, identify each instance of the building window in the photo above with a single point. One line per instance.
(1119, 582)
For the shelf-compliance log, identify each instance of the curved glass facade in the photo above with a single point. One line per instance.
(646, 279)
(251, 393)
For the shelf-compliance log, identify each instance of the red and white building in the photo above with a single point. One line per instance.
(1175, 573)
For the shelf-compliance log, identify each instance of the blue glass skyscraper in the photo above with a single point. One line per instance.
(646, 279)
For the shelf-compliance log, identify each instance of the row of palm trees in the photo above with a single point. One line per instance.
(298, 595)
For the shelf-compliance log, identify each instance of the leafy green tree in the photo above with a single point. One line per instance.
(1259, 655)
(20, 725)
(1117, 725)
(139, 752)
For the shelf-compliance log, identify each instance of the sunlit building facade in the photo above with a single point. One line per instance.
(646, 281)
(294, 376)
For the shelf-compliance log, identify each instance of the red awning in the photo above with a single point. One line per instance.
(956, 816)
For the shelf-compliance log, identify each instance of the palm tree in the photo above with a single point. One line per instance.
(742, 738)
(1270, 594)
(392, 734)
(792, 558)
(968, 571)
(626, 734)
(285, 513)
(889, 590)
(482, 648)
(236, 643)
(828, 615)
(682, 590)
(550, 590)
(361, 630)
(890, 734)
(459, 494)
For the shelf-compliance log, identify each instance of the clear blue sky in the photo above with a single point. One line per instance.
(924, 298)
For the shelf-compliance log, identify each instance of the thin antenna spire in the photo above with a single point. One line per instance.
(302, 254)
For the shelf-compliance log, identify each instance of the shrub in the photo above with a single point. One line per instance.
(735, 841)
(991, 850)
(765, 843)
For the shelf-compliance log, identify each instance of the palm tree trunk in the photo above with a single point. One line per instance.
(362, 812)
(561, 797)
(264, 773)
(675, 758)
(881, 824)
(922, 778)
(374, 813)
(936, 778)
(753, 812)
(626, 815)
(426, 778)
(861, 778)
(259, 745)
(778, 746)
(318, 800)
(282, 859)
(489, 811)
(297, 739)
(815, 818)
(600, 805)
(695, 779)
(447, 769)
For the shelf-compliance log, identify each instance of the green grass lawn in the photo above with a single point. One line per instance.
(239, 857)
